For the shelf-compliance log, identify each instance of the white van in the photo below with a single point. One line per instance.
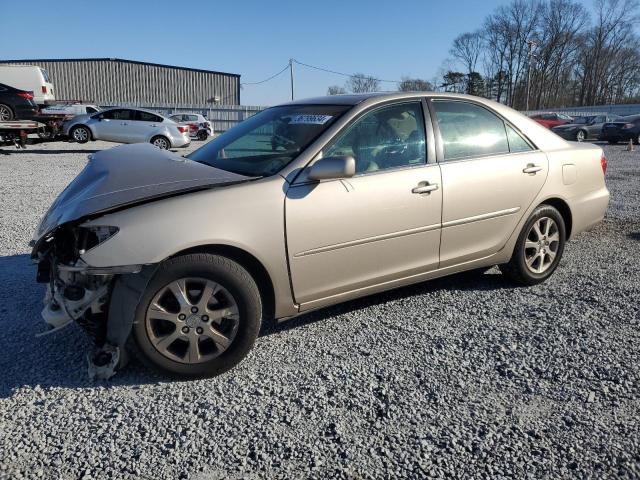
(30, 78)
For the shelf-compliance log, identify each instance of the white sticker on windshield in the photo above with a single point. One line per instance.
(310, 119)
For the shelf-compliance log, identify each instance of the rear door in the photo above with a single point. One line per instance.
(143, 126)
(594, 128)
(490, 176)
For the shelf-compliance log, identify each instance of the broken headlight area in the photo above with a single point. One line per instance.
(74, 292)
(78, 292)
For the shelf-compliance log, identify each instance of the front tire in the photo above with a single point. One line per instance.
(80, 134)
(161, 142)
(199, 316)
(581, 136)
(539, 247)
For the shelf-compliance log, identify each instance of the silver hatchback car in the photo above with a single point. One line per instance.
(128, 125)
(301, 206)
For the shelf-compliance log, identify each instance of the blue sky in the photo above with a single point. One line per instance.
(252, 38)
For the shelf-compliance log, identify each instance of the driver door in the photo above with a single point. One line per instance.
(112, 125)
(379, 226)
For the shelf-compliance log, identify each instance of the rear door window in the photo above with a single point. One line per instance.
(147, 117)
(468, 130)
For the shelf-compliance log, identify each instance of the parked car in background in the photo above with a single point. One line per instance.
(584, 128)
(369, 193)
(30, 78)
(71, 109)
(128, 125)
(551, 120)
(16, 104)
(622, 130)
(199, 126)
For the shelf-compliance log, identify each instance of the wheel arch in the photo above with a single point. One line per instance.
(564, 209)
(254, 266)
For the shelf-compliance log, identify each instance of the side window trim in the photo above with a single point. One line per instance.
(427, 130)
(439, 147)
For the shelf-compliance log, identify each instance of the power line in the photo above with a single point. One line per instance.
(345, 74)
(266, 79)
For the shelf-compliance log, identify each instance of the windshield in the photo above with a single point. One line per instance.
(267, 142)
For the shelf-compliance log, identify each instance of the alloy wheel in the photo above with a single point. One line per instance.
(192, 320)
(541, 245)
(80, 134)
(580, 136)
(5, 113)
(161, 143)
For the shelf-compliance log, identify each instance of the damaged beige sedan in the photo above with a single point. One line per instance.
(305, 205)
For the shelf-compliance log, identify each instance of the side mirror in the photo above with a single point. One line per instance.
(333, 167)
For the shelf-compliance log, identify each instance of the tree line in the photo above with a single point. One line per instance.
(539, 54)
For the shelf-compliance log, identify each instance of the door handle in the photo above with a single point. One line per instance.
(425, 187)
(531, 168)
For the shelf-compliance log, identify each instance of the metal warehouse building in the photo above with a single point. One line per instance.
(113, 81)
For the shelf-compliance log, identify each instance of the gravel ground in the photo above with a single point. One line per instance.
(464, 377)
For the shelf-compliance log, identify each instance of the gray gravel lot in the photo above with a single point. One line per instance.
(463, 377)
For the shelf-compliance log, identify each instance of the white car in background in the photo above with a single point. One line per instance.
(200, 127)
(30, 78)
(71, 109)
(128, 125)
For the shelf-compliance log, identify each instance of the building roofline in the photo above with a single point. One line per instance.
(117, 60)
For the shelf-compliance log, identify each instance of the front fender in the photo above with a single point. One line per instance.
(248, 216)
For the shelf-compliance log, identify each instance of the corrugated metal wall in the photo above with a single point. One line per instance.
(114, 82)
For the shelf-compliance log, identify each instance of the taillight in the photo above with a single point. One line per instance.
(183, 129)
(626, 126)
(26, 95)
(44, 89)
(603, 164)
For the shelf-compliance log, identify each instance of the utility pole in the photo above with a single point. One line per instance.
(532, 44)
(291, 71)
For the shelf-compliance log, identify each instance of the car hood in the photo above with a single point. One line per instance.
(126, 175)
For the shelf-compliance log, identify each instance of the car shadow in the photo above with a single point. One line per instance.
(634, 236)
(58, 359)
(479, 280)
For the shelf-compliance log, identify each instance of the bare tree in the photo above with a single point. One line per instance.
(467, 48)
(335, 90)
(414, 85)
(576, 60)
(361, 83)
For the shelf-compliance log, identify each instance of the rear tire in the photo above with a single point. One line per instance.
(161, 142)
(80, 134)
(539, 247)
(581, 136)
(203, 135)
(6, 114)
(235, 296)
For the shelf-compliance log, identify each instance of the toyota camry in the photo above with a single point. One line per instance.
(305, 205)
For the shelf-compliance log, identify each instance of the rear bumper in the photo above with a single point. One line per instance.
(588, 210)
